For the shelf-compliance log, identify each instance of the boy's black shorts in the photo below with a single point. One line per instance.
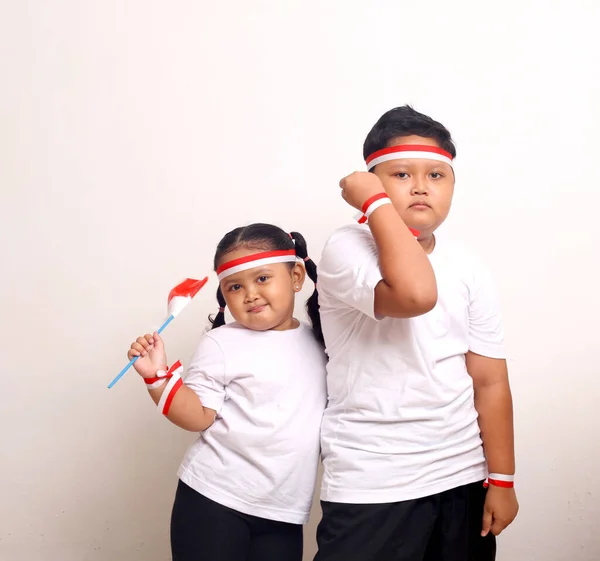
(442, 527)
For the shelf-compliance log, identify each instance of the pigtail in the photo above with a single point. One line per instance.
(312, 304)
(219, 319)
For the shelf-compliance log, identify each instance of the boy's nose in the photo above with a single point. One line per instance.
(419, 187)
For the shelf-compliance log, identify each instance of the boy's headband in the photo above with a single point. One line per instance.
(255, 260)
(408, 151)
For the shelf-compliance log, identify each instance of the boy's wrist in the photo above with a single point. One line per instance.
(502, 480)
(505, 467)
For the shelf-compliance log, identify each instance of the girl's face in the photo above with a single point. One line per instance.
(262, 298)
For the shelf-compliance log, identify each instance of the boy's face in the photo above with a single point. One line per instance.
(421, 190)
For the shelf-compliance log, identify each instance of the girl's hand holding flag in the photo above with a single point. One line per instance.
(178, 299)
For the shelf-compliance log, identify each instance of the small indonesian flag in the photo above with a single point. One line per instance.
(183, 293)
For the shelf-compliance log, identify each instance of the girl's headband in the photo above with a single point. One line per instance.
(256, 260)
(408, 151)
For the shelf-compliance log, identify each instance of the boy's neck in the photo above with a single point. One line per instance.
(427, 243)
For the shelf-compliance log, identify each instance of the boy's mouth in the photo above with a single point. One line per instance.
(420, 205)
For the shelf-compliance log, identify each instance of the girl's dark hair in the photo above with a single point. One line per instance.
(267, 237)
(405, 121)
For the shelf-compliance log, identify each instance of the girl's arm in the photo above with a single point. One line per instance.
(186, 410)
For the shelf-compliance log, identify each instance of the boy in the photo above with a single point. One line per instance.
(418, 389)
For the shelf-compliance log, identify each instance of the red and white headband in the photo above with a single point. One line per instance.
(408, 151)
(256, 260)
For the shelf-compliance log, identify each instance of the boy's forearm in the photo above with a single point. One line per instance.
(494, 406)
(186, 410)
(404, 265)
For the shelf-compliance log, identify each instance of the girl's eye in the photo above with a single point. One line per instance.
(402, 175)
(436, 174)
(234, 287)
(263, 278)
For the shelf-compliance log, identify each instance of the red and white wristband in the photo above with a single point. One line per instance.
(500, 480)
(372, 204)
(174, 381)
(168, 394)
(162, 376)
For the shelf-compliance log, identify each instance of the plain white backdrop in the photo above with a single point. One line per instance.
(134, 134)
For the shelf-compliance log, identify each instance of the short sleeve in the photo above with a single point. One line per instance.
(486, 332)
(349, 270)
(206, 373)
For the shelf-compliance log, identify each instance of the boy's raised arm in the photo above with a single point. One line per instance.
(408, 287)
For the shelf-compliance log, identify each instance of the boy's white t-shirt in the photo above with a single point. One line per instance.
(261, 454)
(400, 422)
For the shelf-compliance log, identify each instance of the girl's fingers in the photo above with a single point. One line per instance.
(142, 348)
(143, 342)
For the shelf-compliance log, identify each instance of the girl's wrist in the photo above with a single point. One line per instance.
(153, 372)
(163, 375)
(156, 380)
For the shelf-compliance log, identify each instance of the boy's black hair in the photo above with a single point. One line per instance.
(405, 121)
(267, 237)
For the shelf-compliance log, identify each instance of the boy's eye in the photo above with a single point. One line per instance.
(402, 175)
(263, 278)
(436, 174)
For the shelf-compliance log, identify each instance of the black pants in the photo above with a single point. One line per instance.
(202, 530)
(442, 527)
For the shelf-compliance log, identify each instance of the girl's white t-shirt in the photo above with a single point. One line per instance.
(268, 387)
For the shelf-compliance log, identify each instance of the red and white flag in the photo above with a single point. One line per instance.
(183, 293)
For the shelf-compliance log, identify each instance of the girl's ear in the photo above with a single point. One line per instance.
(298, 276)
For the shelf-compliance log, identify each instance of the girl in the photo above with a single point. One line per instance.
(255, 390)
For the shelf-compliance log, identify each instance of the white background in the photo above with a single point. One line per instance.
(135, 133)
